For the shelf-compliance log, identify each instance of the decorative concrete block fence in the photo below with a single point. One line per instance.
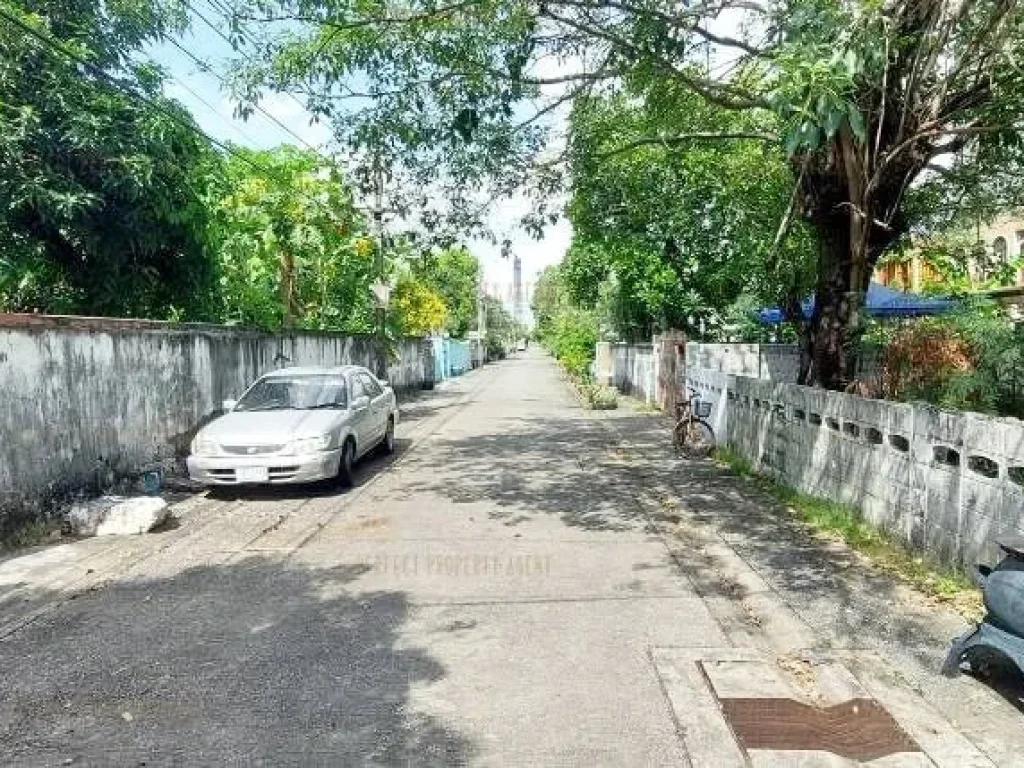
(945, 483)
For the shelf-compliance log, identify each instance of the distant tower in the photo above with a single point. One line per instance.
(517, 290)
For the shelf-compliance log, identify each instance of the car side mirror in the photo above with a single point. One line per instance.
(361, 403)
(229, 405)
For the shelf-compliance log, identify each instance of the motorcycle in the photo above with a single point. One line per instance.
(1000, 635)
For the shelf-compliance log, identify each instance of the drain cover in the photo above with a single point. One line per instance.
(860, 729)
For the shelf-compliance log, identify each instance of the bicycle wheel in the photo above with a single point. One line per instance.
(679, 435)
(698, 438)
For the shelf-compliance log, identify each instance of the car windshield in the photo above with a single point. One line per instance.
(279, 393)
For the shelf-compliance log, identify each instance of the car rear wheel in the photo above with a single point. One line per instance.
(346, 464)
(387, 445)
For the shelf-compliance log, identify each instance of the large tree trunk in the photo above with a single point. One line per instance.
(850, 239)
(836, 324)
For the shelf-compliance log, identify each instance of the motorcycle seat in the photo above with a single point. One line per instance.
(1014, 547)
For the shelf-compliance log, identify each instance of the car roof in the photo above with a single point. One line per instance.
(314, 370)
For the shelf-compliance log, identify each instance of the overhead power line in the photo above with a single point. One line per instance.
(55, 46)
(205, 67)
(223, 10)
(220, 116)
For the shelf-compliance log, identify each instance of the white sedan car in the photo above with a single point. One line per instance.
(297, 425)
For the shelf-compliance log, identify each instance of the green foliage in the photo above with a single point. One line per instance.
(599, 397)
(290, 247)
(571, 333)
(429, 113)
(673, 236)
(502, 329)
(452, 273)
(101, 206)
(573, 339)
(419, 310)
(861, 97)
(549, 298)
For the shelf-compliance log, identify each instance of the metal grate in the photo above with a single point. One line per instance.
(251, 450)
(859, 729)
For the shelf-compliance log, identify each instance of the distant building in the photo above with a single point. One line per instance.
(505, 292)
(998, 243)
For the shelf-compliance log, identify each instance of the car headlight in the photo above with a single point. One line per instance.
(204, 446)
(311, 444)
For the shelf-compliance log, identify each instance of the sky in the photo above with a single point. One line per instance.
(203, 93)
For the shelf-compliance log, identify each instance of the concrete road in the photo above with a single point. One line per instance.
(518, 587)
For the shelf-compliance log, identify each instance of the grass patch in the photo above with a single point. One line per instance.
(600, 398)
(846, 523)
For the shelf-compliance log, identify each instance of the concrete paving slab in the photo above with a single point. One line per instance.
(606, 708)
(464, 570)
(705, 685)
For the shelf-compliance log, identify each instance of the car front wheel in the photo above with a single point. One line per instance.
(346, 464)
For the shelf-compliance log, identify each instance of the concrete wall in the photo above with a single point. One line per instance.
(712, 387)
(452, 357)
(83, 401)
(945, 483)
(771, 362)
(633, 370)
(774, 362)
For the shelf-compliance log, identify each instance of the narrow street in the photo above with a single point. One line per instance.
(526, 583)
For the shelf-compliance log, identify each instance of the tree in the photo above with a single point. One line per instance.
(419, 310)
(502, 328)
(549, 298)
(291, 247)
(868, 95)
(101, 177)
(453, 273)
(678, 235)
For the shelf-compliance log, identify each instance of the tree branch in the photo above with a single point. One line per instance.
(685, 138)
(722, 94)
(678, 22)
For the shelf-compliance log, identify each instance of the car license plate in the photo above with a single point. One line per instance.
(252, 474)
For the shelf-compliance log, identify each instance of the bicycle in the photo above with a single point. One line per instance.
(692, 436)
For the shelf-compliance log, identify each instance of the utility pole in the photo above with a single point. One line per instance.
(381, 291)
(481, 318)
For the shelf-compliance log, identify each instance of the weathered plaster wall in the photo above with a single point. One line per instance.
(633, 370)
(86, 400)
(946, 483)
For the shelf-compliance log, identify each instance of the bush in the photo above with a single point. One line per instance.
(495, 347)
(572, 338)
(600, 398)
(971, 359)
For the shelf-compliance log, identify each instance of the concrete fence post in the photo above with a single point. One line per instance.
(604, 372)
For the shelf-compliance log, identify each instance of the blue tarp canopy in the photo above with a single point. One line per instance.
(880, 301)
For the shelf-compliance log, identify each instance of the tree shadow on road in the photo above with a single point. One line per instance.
(530, 466)
(257, 662)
